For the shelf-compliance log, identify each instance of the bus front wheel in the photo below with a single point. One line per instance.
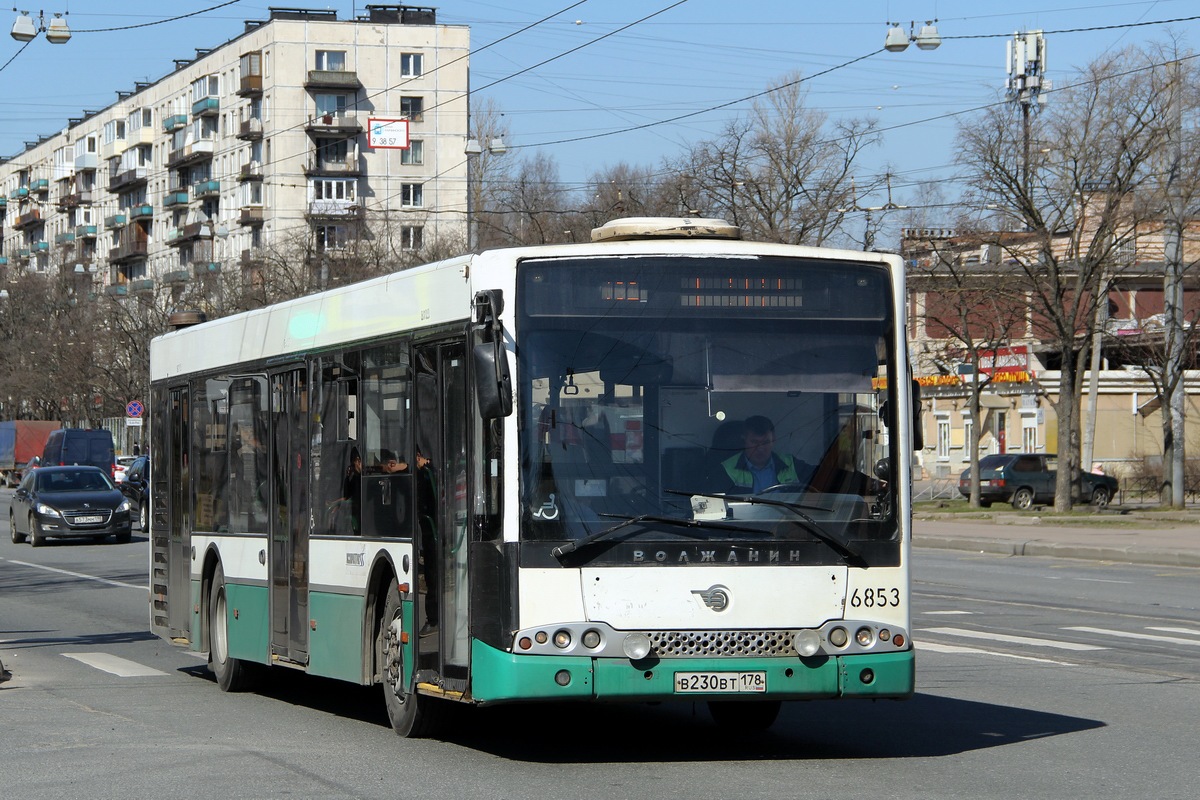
(411, 715)
(233, 674)
(743, 715)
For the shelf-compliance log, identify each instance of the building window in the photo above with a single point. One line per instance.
(415, 154)
(410, 65)
(208, 86)
(333, 189)
(412, 195)
(332, 237)
(331, 60)
(412, 108)
(943, 438)
(333, 105)
(411, 237)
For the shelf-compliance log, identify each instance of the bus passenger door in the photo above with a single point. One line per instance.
(442, 404)
(171, 518)
(287, 512)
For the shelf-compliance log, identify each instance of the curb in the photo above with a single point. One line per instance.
(1034, 547)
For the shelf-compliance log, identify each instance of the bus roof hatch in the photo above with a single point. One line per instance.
(627, 228)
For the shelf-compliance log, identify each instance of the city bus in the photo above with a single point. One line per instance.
(536, 475)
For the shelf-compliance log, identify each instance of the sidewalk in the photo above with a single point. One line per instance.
(1129, 536)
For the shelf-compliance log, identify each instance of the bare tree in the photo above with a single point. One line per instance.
(1078, 207)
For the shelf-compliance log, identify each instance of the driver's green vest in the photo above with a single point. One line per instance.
(785, 470)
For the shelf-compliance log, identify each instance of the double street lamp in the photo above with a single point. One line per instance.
(26, 30)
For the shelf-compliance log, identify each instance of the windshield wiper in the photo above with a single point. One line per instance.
(811, 525)
(571, 547)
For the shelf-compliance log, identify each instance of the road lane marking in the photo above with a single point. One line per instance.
(1000, 637)
(121, 667)
(957, 650)
(77, 574)
(1190, 631)
(947, 613)
(1147, 637)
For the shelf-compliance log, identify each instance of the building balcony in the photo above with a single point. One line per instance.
(75, 199)
(250, 129)
(128, 179)
(40, 185)
(3, 203)
(112, 149)
(3, 261)
(116, 221)
(141, 286)
(191, 154)
(187, 233)
(252, 215)
(129, 250)
(86, 231)
(333, 166)
(28, 220)
(206, 107)
(251, 172)
(144, 211)
(65, 238)
(176, 276)
(331, 79)
(173, 199)
(20, 193)
(209, 188)
(40, 247)
(250, 86)
(87, 161)
(202, 268)
(335, 209)
(174, 123)
(345, 124)
(143, 135)
(23, 254)
(117, 290)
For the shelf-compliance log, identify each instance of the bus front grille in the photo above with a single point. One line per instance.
(694, 644)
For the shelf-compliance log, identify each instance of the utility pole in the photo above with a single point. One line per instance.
(1173, 379)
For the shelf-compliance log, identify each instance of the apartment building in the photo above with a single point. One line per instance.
(259, 143)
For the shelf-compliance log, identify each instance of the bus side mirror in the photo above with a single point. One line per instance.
(918, 434)
(493, 383)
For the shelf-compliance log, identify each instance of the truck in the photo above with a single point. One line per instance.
(21, 440)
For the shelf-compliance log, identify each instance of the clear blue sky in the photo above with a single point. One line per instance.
(687, 59)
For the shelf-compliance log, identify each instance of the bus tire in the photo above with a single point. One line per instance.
(744, 715)
(233, 674)
(411, 715)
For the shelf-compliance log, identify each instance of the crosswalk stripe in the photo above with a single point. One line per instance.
(120, 667)
(1000, 637)
(958, 650)
(1148, 637)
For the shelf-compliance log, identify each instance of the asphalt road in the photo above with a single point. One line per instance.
(1036, 678)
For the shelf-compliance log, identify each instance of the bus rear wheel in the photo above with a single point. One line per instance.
(744, 715)
(233, 674)
(411, 714)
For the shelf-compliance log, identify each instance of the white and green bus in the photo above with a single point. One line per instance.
(538, 474)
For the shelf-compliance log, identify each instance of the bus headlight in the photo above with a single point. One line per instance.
(807, 643)
(864, 636)
(562, 639)
(838, 637)
(636, 646)
(591, 639)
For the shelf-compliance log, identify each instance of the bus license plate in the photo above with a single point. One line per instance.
(720, 682)
(88, 520)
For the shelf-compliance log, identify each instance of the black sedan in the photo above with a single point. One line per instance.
(68, 502)
(1026, 479)
(136, 487)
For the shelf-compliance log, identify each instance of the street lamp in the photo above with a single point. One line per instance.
(473, 150)
(26, 30)
(897, 39)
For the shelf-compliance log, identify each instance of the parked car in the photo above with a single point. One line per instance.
(1027, 479)
(68, 502)
(82, 446)
(136, 487)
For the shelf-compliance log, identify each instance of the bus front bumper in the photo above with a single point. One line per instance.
(499, 677)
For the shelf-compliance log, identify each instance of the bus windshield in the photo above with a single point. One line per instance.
(702, 399)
